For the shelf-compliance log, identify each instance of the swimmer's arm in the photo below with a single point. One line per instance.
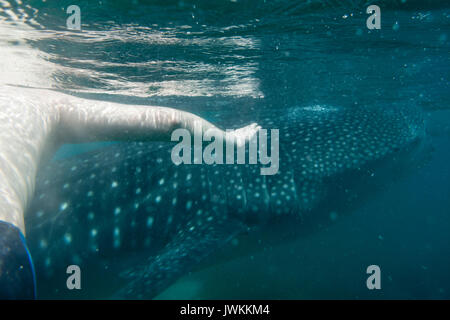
(105, 121)
(88, 120)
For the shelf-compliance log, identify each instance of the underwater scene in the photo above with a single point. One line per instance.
(224, 149)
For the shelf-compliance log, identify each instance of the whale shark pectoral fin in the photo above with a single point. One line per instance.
(188, 248)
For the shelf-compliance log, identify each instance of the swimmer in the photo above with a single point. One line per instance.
(34, 123)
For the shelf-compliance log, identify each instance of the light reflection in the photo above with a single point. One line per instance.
(127, 59)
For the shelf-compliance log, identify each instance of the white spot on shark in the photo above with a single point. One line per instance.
(67, 238)
(43, 244)
(150, 222)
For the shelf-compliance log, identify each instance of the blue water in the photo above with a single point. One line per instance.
(245, 57)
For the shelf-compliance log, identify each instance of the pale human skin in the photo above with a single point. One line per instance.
(35, 122)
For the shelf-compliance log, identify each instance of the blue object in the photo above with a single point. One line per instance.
(17, 277)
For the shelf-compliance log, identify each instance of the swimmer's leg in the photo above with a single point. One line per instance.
(17, 278)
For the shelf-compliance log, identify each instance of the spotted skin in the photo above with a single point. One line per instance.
(129, 199)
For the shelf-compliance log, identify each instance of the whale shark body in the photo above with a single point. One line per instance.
(135, 222)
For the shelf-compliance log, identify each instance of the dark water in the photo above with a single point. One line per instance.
(245, 57)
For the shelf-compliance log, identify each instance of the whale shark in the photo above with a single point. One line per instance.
(134, 222)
